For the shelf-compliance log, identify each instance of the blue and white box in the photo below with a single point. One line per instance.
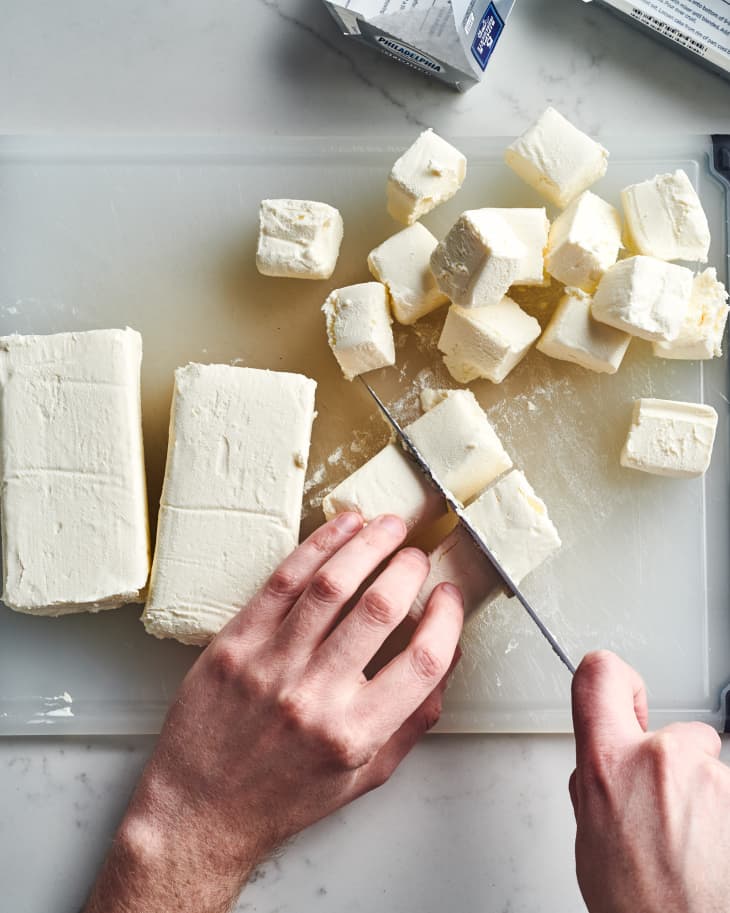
(450, 40)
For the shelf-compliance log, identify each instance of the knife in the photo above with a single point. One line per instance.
(475, 535)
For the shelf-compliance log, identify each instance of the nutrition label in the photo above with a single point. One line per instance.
(700, 26)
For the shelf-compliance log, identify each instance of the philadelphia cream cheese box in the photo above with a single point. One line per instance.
(451, 40)
(699, 28)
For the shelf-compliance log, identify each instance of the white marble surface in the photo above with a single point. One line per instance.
(468, 823)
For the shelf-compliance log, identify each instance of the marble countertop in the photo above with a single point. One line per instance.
(467, 823)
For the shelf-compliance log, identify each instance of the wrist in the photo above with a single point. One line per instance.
(170, 856)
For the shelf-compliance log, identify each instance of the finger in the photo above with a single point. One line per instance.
(382, 766)
(337, 581)
(573, 790)
(383, 704)
(274, 600)
(609, 703)
(382, 607)
(698, 735)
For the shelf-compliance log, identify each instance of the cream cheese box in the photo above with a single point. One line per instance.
(449, 40)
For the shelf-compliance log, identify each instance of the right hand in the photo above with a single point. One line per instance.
(652, 809)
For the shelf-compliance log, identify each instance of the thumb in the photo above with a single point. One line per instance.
(609, 702)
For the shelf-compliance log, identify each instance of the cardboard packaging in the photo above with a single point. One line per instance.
(699, 28)
(450, 40)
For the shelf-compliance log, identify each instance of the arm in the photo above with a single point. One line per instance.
(276, 726)
(652, 809)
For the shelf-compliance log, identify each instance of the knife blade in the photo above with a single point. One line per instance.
(469, 527)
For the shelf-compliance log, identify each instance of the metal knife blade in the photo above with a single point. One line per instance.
(473, 532)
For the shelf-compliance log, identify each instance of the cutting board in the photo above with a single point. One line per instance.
(160, 235)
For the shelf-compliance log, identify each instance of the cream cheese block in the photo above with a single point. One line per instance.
(665, 218)
(479, 259)
(428, 173)
(298, 239)
(359, 328)
(584, 241)
(460, 445)
(516, 527)
(644, 296)
(486, 342)
(668, 438)
(402, 264)
(74, 507)
(700, 336)
(232, 494)
(556, 158)
(574, 335)
(531, 227)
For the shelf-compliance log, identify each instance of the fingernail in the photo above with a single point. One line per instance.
(393, 524)
(349, 522)
(452, 591)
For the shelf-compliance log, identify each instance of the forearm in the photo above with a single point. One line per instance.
(167, 860)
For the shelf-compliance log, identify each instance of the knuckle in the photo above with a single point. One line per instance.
(346, 751)
(663, 747)
(293, 708)
(326, 587)
(325, 540)
(431, 714)
(284, 583)
(377, 609)
(255, 683)
(225, 661)
(425, 663)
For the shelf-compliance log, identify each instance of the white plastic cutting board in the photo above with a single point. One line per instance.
(160, 235)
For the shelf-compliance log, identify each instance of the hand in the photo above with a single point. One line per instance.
(652, 809)
(276, 725)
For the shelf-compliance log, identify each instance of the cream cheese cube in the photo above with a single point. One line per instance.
(486, 342)
(232, 495)
(478, 260)
(700, 336)
(665, 218)
(669, 438)
(556, 158)
(298, 239)
(74, 507)
(428, 173)
(402, 264)
(531, 227)
(359, 328)
(574, 335)
(644, 296)
(460, 445)
(516, 527)
(584, 241)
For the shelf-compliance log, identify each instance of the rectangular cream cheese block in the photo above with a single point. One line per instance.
(584, 241)
(669, 438)
(556, 158)
(478, 260)
(700, 336)
(459, 443)
(515, 525)
(574, 335)
(531, 226)
(428, 173)
(644, 296)
(359, 328)
(74, 505)
(486, 342)
(298, 239)
(665, 218)
(402, 264)
(232, 496)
